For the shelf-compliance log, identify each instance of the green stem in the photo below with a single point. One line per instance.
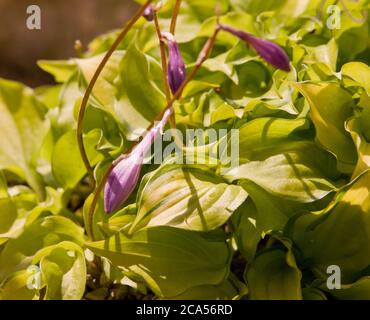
(162, 48)
(98, 190)
(91, 85)
(163, 58)
(351, 16)
(176, 11)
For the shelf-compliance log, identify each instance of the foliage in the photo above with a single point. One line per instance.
(298, 202)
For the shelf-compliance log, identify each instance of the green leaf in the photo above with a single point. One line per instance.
(62, 70)
(262, 213)
(23, 197)
(170, 260)
(246, 232)
(332, 233)
(329, 116)
(187, 198)
(326, 53)
(113, 91)
(55, 203)
(140, 98)
(211, 108)
(254, 80)
(219, 63)
(265, 135)
(48, 95)
(8, 210)
(21, 209)
(18, 253)
(274, 275)
(69, 170)
(206, 8)
(359, 128)
(359, 290)
(280, 97)
(15, 287)
(273, 211)
(300, 175)
(230, 289)
(104, 90)
(63, 269)
(257, 7)
(305, 173)
(207, 111)
(353, 40)
(287, 8)
(356, 74)
(23, 127)
(120, 221)
(63, 116)
(313, 294)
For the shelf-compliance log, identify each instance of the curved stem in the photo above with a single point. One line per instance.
(351, 16)
(98, 190)
(163, 58)
(320, 11)
(203, 55)
(175, 14)
(90, 87)
(162, 48)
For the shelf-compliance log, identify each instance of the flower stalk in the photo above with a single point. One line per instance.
(91, 85)
(175, 14)
(162, 49)
(149, 12)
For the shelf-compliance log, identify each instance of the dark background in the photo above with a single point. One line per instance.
(62, 22)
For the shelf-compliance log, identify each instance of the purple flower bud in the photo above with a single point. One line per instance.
(148, 13)
(124, 177)
(121, 182)
(176, 65)
(268, 50)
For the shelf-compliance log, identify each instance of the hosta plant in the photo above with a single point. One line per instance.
(211, 149)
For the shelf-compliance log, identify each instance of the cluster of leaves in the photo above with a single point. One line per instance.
(298, 203)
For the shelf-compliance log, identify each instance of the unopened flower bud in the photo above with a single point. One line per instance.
(149, 13)
(176, 65)
(124, 176)
(268, 50)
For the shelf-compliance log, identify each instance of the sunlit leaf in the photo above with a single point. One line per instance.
(187, 198)
(170, 260)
